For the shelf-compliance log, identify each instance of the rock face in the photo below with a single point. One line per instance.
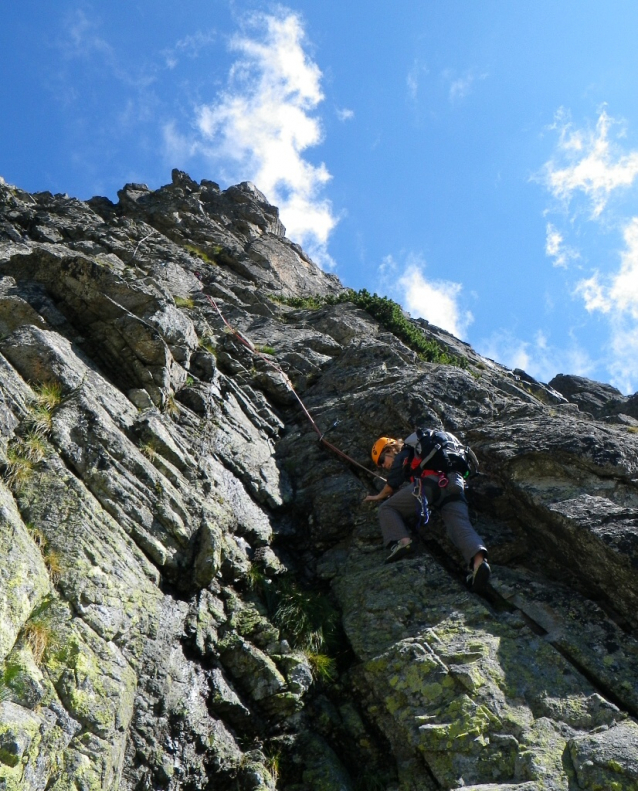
(192, 595)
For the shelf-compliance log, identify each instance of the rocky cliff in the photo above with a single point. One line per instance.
(192, 595)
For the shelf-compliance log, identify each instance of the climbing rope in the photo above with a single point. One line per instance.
(269, 361)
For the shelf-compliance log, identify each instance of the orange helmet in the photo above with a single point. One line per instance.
(379, 446)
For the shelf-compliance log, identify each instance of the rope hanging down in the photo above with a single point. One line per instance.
(251, 346)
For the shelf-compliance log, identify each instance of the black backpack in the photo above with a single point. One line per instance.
(440, 451)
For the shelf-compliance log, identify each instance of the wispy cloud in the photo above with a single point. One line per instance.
(344, 114)
(556, 248)
(81, 40)
(189, 46)
(460, 85)
(417, 71)
(588, 162)
(437, 301)
(537, 357)
(260, 126)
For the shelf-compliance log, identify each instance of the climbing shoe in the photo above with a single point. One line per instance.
(398, 551)
(478, 580)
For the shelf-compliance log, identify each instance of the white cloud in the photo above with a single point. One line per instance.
(616, 296)
(556, 248)
(437, 301)
(624, 288)
(587, 162)
(344, 114)
(262, 123)
(537, 357)
(594, 294)
(624, 355)
(590, 165)
(620, 294)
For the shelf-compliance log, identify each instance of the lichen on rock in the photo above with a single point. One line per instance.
(192, 595)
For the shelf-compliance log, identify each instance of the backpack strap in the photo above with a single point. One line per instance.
(432, 453)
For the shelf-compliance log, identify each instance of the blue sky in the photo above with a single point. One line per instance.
(476, 161)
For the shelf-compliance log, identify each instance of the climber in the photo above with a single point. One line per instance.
(435, 465)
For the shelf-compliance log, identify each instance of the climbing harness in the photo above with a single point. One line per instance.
(249, 345)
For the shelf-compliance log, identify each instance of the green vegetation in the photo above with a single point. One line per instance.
(309, 303)
(265, 349)
(390, 315)
(33, 446)
(324, 667)
(184, 302)
(40, 418)
(52, 558)
(374, 778)
(39, 635)
(149, 449)
(207, 343)
(53, 562)
(273, 766)
(201, 254)
(306, 618)
(29, 446)
(170, 406)
(48, 395)
(18, 468)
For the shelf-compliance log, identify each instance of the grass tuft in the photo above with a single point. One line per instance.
(273, 766)
(323, 667)
(34, 446)
(40, 636)
(207, 343)
(149, 449)
(184, 302)
(48, 395)
(170, 405)
(52, 558)
(17, 467)
(256, 578)
(40, 419)
(202, 255)
(53, 562)
(306, 618)
(266, 349)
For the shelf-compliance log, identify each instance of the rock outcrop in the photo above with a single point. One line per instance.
(193, 595)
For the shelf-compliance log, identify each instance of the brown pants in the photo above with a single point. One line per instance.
(404, 506)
